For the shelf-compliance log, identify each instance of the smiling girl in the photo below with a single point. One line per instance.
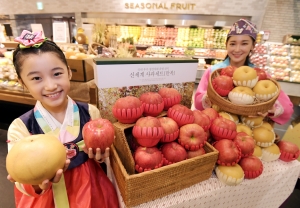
(239, 44)
(42, 69)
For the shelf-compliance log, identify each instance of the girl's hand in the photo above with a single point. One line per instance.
(45, 184)
(98, 157)
(10, 178)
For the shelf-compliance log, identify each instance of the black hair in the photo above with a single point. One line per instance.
(47, 47)
(247, 61)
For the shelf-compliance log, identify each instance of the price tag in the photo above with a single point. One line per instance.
(266, 35)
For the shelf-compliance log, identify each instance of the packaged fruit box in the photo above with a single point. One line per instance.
(116, 78)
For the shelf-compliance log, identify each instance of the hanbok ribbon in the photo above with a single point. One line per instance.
(28, 39)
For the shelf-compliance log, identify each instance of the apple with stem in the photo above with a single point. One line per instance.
(192, 136)
(98, 133)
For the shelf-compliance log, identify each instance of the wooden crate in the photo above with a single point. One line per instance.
(138, 188)
(82, 70)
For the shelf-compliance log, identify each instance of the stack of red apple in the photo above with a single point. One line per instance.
(160, 141)
(267, 147)
(236, 160)
(244, 85)
(242, 143)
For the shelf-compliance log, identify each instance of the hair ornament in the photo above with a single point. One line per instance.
(28, 39)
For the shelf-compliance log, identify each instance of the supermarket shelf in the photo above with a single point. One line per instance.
(16, 97)
(26, 98)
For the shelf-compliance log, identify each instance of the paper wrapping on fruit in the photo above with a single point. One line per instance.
(108, 96)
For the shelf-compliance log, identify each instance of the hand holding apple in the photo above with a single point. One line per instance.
(98, 156)
(98, 133)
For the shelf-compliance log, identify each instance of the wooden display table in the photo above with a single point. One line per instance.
(80, 91)
(269, 190)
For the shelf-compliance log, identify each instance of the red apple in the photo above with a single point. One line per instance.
(128, 109)
(196, 153)
(228, 71)
(171, 129)
(229, 152)
(252, 166)
(245, 142)
(98, 133)
(181, 114)
(153, 103)
(289, 151)
(147, 158)
(173, 152)
(148, 131)
(222, 128)
(222, 85)
(212, 113)
(170, 96)
(201, 119)
(262, 75)
(192, 136)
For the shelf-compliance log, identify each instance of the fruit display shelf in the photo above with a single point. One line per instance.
(281, 61)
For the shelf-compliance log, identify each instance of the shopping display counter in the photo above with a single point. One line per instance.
(270, 189)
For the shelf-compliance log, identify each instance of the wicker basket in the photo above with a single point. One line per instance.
(245, 110)
(121, 143)
(138, 188)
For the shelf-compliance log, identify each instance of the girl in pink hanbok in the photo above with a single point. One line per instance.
(239, 44)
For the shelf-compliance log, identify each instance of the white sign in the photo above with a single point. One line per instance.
(59, 32)
(120, 75)
(266, 35)
(37, 28)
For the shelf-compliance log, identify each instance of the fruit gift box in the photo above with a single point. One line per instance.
(119, 77)
(243, 91)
